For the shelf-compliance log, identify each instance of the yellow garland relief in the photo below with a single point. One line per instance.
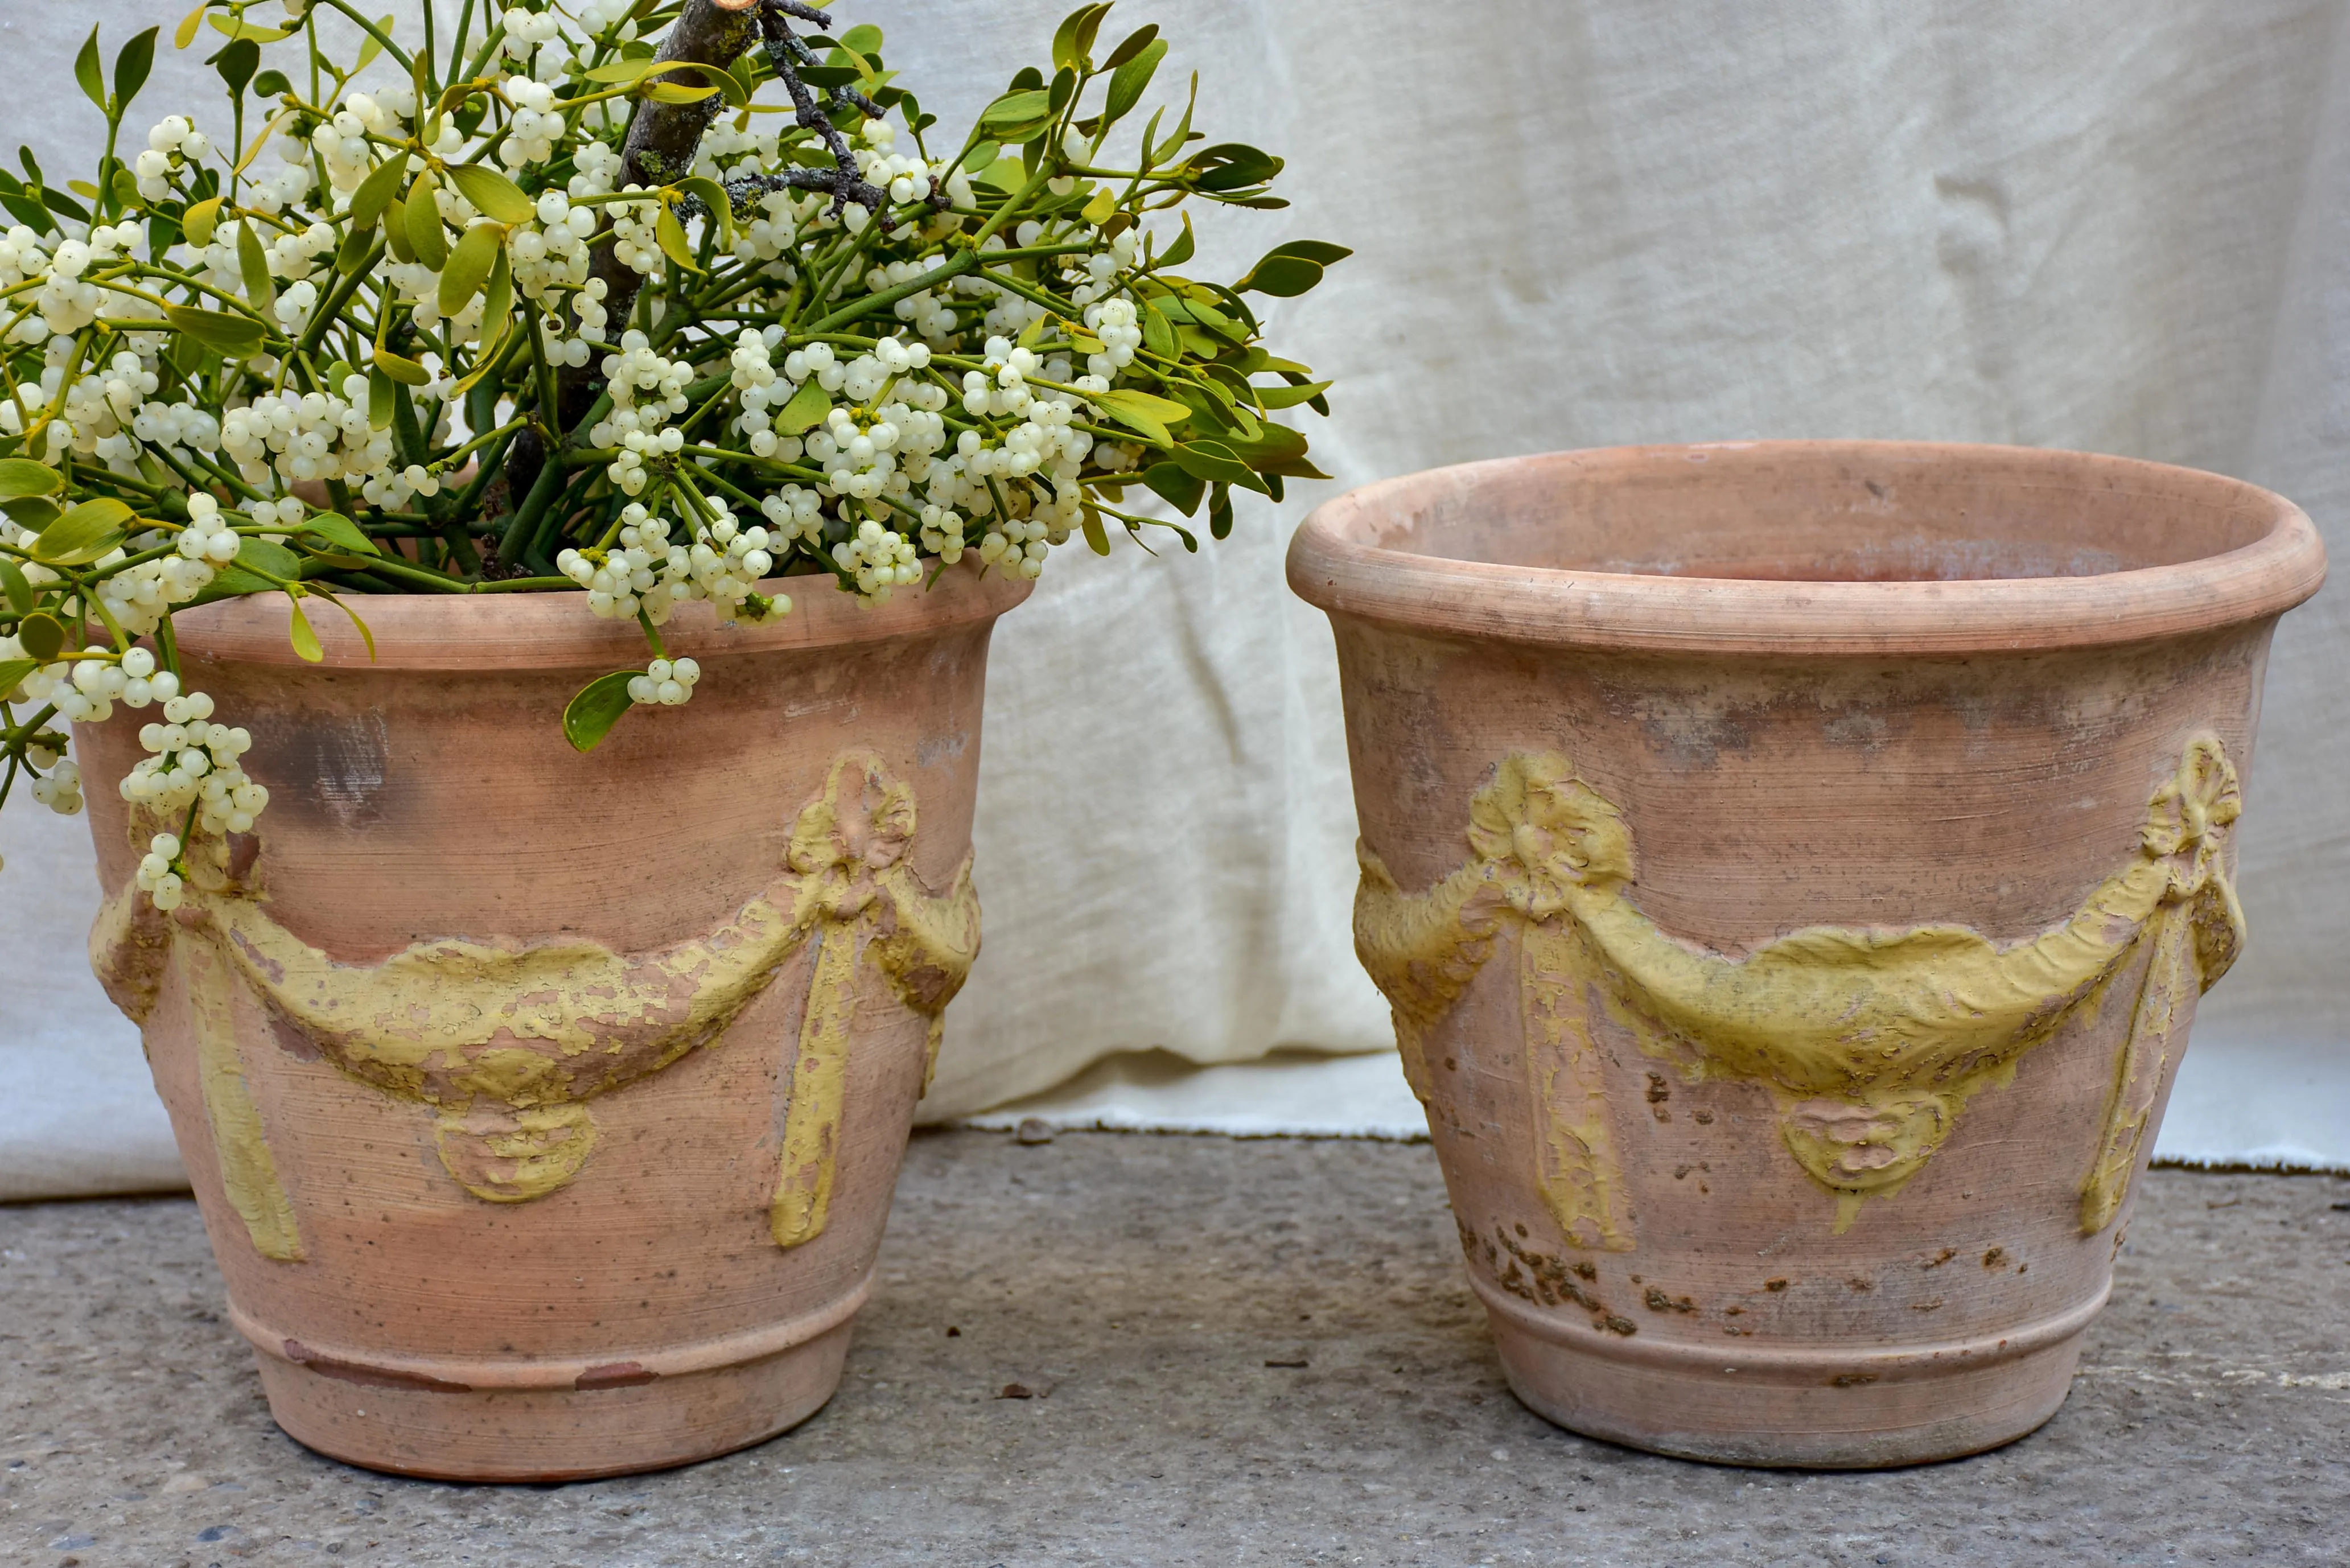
(1870, 1042)
(510, 1045)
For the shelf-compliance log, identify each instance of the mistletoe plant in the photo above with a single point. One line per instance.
(550, 306)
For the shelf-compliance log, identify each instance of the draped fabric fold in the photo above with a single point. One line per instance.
(1577, 223)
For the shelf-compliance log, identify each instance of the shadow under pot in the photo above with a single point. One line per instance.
(544, 1108)
(1792, 869)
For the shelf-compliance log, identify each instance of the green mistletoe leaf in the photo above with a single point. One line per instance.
(1141, 412)
(596, 708)
(340, 532)
(82, 534)
(491, 193)
(401, 368)
(374, 194)
(254, 264)
(86, 72)
(469, 266)
(670, 235)
(43, 635)
(232, 336)
(1128, 81)
(131, 66)
(23, 476)
(1217, 462)
(14, 588)
(301, 634)
(423, 222)
(1136, 42)
(805, 412)
(1017, 116)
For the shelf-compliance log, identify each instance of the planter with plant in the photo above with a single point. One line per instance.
(370, 449)
(1794, 867)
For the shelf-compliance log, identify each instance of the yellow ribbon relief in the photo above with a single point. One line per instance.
(1870, 1042)
(510, 1045)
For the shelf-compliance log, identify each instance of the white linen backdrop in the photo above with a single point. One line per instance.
(1578, 222)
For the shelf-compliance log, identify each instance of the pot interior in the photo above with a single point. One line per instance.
(1831, 511)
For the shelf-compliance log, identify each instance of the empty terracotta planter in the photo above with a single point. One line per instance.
(1794, 867)
(544, 1108)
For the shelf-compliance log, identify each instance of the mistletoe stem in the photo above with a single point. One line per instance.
(786, 54)
(660, 148)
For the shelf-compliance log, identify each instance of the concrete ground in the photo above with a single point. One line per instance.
(1138, 1286)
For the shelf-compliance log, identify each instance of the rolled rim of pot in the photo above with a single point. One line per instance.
(555, 631)
(1800, 547)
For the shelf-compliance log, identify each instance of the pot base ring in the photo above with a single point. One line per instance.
(1814, 1408)
(508, 1420)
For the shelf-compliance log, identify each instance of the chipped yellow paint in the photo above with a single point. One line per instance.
(1870, 1042)
(2199, 931)
(928, 949)
(133, 948)
(1581, 1180)
(1422, 949)
(507, 1044)
(506, 1155)
(248, 1171)
(850, 848)
(820, 1079)
(130, 949)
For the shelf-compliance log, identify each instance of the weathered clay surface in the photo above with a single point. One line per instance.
(544, 1108)
(1794, 867)
(1137, 1287)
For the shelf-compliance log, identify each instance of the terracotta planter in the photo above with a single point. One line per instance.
(544, 1108)
(1794, 867)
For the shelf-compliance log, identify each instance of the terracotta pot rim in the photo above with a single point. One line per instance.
(555, 630)
(1336, 564)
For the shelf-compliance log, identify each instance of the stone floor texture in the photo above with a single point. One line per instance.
(1139, 1287)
